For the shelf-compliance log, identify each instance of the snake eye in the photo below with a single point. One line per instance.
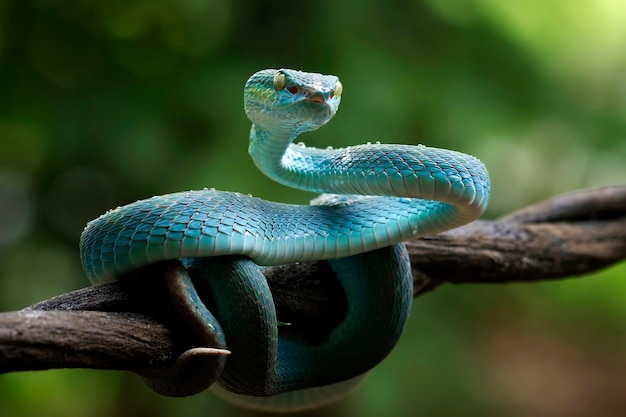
(337, 91)
(280, 81)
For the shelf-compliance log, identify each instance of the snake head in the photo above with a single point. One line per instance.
(291, 100)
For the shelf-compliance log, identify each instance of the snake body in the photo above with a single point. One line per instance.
(381, 195)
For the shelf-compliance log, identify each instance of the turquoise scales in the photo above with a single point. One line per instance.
(381, 196)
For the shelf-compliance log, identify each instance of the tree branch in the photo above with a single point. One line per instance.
(129, 324)
(570, 235)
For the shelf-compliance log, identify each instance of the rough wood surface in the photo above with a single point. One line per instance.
(124, 326)
(566, 236)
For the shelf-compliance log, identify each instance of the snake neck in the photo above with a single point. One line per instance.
(293, 165)
(374, 169)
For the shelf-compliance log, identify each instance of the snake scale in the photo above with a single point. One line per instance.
(377, 196)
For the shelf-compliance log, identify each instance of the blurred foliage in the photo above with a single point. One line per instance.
(103, 103)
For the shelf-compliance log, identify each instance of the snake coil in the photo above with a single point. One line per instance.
(380, 195)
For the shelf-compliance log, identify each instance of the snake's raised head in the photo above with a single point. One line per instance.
(291, 100)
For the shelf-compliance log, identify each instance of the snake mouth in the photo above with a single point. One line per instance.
(316, 98)
(318, 102)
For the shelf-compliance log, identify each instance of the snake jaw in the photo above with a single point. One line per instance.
(324, 99)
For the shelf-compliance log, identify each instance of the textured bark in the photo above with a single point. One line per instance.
(128, 325)
(567, 236)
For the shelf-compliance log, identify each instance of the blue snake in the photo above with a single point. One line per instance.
(378, 196)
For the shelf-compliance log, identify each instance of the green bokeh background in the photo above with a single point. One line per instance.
(106, 102)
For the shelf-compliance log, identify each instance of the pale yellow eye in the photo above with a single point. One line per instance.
(338, 89)
(280, 81)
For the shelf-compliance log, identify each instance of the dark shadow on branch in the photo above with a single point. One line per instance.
(129, 325)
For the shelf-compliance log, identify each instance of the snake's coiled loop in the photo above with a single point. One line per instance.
(380, 196)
